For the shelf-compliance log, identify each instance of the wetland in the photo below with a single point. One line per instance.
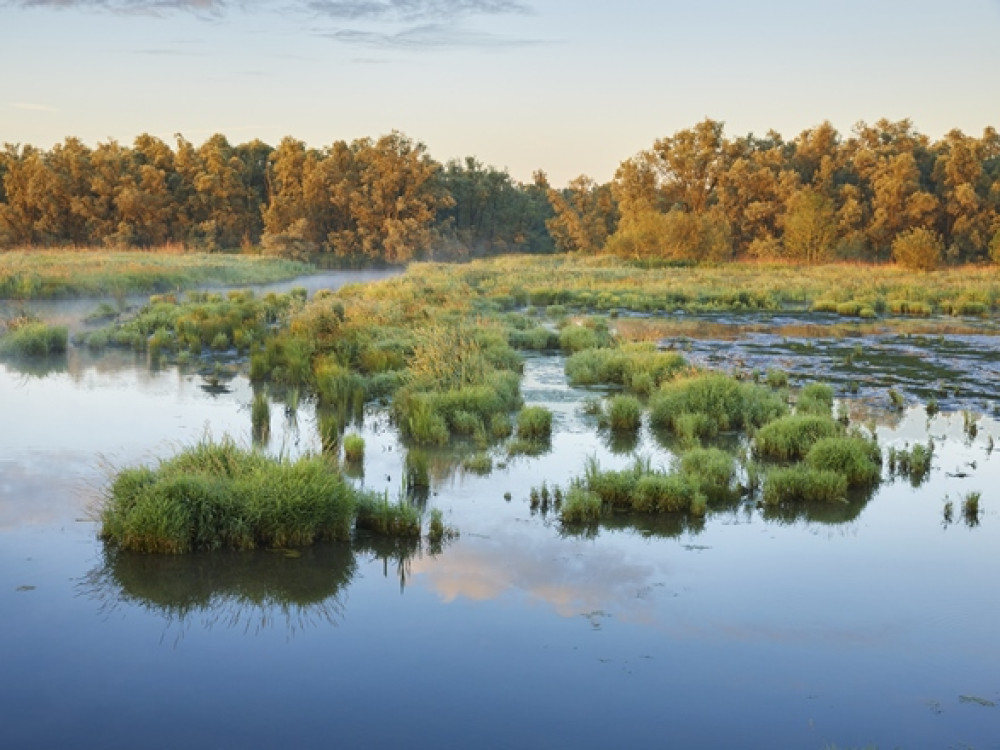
(473, 396)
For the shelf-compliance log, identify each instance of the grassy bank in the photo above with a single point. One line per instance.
(50, 274)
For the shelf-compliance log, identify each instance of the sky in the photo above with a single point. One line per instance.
(566, 86)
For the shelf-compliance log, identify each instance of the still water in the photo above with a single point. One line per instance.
(874, 625)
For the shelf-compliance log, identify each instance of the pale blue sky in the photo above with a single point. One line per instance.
(568, 87)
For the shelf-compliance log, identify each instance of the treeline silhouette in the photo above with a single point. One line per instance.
(884, 192)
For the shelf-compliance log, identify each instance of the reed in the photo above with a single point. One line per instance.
(33, 339)
(791, 437)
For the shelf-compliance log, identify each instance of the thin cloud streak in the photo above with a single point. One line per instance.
(426, 37)
(33, 107)
(414, 10)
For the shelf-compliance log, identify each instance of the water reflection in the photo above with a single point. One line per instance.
(250, 591)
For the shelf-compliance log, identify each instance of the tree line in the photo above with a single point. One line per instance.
(883, 192)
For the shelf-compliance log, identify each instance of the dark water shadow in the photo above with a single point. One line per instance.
(251, 591)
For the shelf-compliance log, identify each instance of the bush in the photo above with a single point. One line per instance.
(918, 249)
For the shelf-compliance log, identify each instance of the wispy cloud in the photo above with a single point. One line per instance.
(414, 10)
(425, 37)
(144, 7)
(33, 107)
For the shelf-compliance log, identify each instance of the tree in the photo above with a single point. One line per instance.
(810, 226)
(584, 216)
(918, 249)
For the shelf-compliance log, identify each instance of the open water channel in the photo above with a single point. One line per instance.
(871, 624)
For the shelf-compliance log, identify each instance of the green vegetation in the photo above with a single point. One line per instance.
(31, 338)
(857, 459)
(638, 367)
(218, 495)
(791, 437)
(534, 424)
(46, 274)
(801, 483)
(397, 519)
(624, 413)
(260, 418)
(354, 449)
(913, 463)
(704, 404)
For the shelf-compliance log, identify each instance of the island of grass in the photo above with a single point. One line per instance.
(218, 495)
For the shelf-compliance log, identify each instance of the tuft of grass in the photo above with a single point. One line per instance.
(418, 470)
(534, 424)
(725, 403)
(260, 418)
(478, 463)
(218, 495)
(580, 506)
(378, 515)
(913, 463)
(437, 530)
(354, 448)
(791, 438)
(970, 508)
(858, 459)
(801, 483)
(34, 339)
(815, 398)
(624, 413)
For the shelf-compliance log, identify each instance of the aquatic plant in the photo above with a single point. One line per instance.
(377, 514)
(723, 402)
(219, 495)
(32, 338)
(534, 423)
(260, 418)
(624, 413)
(791, 437)
(815, 398)
(354, 448)
(970, 508)
(637, 367)
(858, 459)
(914, 463)
(581, 506)
(478, 463)
(802, 483)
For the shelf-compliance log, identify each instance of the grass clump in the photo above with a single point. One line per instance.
(218, 495)
(378, 515)
(33, 339)
(580, 506)
(624, 413)
(913, 463)
(354, 448)
(534, 424)
(815, 398)
(478, 463)
(720, 402)
(639, 368)
(711, 470)
(802, 483)
(260, 418)
(790, 438)
(858, 459)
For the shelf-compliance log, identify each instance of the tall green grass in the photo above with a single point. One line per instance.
(707, 403)
(34, 339)
(218, 495)
(791, 437)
